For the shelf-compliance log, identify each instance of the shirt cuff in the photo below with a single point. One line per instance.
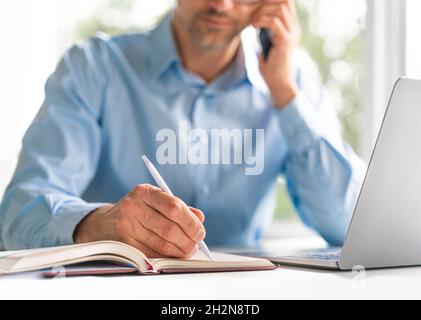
(69, 217)
(300, 124)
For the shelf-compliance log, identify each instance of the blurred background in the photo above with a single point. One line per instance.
(360, 46)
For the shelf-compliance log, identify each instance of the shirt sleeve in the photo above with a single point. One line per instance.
(323, 173)
(60, 152)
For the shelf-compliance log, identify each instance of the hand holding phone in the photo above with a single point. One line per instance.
(265, 38)
(279, 36)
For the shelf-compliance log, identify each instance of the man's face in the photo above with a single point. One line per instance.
(213, 24)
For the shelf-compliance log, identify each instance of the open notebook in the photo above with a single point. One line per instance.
(110, 257)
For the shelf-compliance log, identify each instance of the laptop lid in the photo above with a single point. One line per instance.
(385, 230)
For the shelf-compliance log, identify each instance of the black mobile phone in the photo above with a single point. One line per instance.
(265, 38)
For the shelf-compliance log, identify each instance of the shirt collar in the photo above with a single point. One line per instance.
(163, 48)
(164, 53)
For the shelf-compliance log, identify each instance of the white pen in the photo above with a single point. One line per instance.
(161, 183)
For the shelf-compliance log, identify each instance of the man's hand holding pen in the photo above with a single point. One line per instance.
(158, 224)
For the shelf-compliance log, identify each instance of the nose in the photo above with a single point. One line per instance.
(222, 5)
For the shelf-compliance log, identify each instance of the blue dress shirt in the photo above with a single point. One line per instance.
(104, 106)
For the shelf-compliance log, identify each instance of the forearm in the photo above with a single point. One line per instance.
(324, 175)
(324, 187)
(34, 217)
(96, 226)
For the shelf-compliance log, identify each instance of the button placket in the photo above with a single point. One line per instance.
(199, 170)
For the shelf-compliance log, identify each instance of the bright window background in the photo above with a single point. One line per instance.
(413, 40)
(35, 34)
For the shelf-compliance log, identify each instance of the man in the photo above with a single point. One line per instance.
(80, 177)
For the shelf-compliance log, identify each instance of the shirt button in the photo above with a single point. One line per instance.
(291, 132)
(205, 190)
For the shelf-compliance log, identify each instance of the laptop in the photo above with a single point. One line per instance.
(385, 230)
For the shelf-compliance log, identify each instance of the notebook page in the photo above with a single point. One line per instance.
(220, 260)
(223, 257)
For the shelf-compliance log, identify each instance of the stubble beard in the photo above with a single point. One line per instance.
(211, 39)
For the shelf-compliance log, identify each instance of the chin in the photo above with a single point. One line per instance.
(215, 42)
(213, 45)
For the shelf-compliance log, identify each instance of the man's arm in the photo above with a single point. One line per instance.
(59, 156)
(42, 206)
(323, 173)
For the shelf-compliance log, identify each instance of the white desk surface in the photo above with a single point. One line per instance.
(283, 283)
